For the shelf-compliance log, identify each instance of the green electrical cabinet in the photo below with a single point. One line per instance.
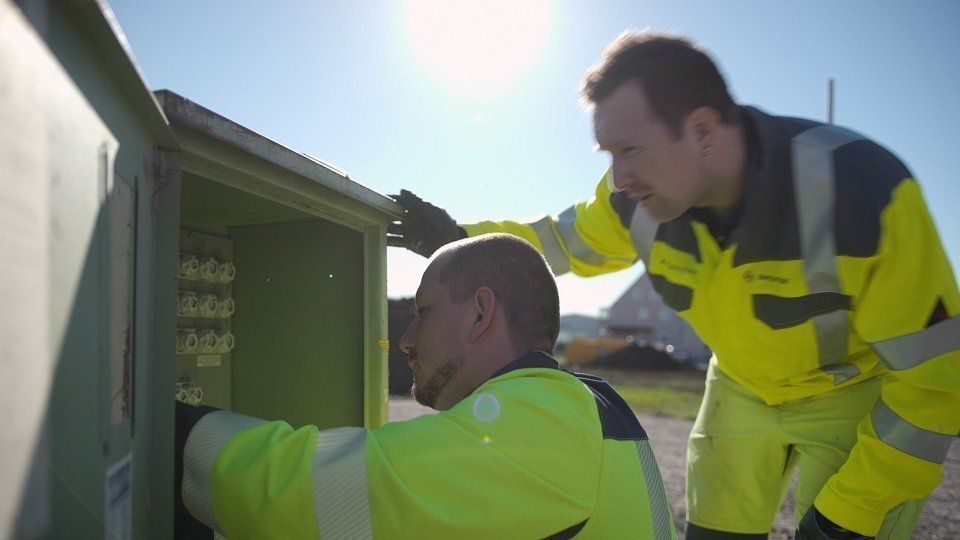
(155, 250)
(305, 249)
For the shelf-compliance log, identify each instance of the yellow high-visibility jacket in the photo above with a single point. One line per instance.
(834, 274)
(534, 452)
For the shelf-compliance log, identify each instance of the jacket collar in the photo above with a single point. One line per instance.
(532, 359)
(769, 229)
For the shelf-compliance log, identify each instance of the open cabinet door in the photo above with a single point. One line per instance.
(66, 286)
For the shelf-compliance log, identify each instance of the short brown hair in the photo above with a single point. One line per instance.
(676, 76)
(520, 279)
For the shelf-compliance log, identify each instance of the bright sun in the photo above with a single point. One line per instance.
(477, 48)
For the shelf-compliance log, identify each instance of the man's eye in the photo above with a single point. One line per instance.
(630, 151)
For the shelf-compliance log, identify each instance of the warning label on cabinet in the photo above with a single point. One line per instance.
(118, 507)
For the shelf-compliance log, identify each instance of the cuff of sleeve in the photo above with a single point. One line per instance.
(204, 444)
(185, 525)
(846, 514)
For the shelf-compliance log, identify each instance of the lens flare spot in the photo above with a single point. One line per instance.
(486, 407)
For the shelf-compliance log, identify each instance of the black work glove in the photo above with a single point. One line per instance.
(816, 526)
(424, 228)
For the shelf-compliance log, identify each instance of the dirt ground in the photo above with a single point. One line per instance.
(668, 436)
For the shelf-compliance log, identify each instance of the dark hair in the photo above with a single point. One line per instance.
(520, 280)
(676, 76)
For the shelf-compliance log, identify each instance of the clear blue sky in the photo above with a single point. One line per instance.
(362, 84)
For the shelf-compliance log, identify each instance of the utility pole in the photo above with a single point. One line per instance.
(830, 100)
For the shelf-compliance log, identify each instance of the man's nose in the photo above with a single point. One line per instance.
(407, 341)
(618, 179)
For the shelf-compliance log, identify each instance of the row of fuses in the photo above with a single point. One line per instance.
(193, 341)
(206, 306)
(189, 393)
(206, 269)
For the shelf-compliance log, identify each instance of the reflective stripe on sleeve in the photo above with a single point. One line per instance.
(575, 244)
(340, 484)
(643, 230)
(815, 193)
(206, 440)
(552, 250)
(911, 350)
(659, 509)
(908, 438)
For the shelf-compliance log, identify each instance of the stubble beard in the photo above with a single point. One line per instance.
(427, 393)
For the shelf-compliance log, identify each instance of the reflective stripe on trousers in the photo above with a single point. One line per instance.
(908, 438)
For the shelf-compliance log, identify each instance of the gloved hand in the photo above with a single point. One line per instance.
(816, 526)
(424, 227)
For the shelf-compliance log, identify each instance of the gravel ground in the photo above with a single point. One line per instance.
(668, 436)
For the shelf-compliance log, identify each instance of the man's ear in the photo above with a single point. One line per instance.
(703, 122)
(485, 304)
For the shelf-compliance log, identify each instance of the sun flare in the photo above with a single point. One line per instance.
(477, 49)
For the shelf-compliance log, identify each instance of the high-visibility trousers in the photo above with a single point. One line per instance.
(742, 454)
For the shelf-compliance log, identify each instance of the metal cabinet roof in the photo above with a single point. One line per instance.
(219, 148)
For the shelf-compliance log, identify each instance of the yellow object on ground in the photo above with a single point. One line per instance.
(585, 351)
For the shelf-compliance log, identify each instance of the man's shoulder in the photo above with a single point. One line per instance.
(858, 158)
(564, 394)
(772, 129)
(536, 391)
(616, 417)
(865, 173)
(533, 379)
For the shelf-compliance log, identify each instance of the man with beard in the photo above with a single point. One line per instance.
(803, 255)
(519, 449)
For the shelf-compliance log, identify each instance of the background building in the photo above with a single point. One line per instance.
(580, 326)
(640, 313)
